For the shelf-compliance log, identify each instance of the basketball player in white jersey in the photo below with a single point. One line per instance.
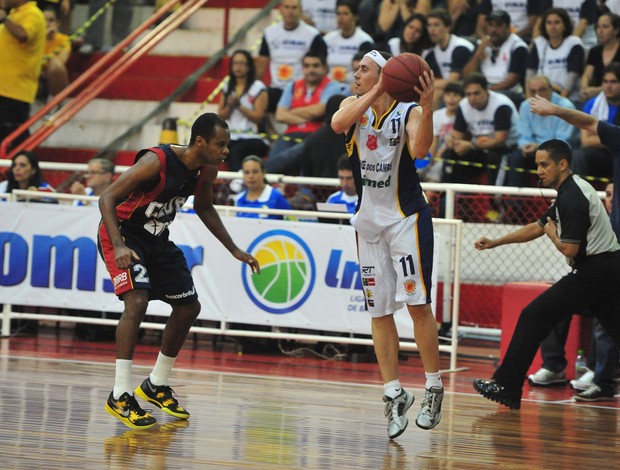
(394, 229)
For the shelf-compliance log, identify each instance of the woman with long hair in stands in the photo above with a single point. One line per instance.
(413, 37)
(243, 104)
(25, 174)
(557, 54)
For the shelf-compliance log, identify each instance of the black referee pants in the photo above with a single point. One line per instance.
(593, 286)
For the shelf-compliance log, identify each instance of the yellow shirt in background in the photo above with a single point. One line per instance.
(55, 47)
(60, 43)
(21, 62)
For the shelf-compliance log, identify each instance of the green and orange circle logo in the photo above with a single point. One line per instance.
(288, 272)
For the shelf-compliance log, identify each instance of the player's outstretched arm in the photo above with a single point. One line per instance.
(544, 107)
(485, 243)
(203, 206)
(524, 234)
(144, 171)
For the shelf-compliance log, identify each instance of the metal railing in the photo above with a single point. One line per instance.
(111, 66)
(475, 265)
(451, 293)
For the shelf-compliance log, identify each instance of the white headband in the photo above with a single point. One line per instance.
(376, 57)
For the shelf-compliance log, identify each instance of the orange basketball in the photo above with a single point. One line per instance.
(401, 74)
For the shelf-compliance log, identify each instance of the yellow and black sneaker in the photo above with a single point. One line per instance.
(126, 409)
(161, 396)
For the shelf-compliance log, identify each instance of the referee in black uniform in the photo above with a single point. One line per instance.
(579, 228)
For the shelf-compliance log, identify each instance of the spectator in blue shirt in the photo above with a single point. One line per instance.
(258, 192)
(347, 194)
(533, 130)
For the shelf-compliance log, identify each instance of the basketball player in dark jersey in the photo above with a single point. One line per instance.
(144, 264)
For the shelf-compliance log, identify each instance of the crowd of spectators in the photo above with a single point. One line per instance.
(488, 56)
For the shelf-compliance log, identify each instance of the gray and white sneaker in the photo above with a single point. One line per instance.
(395, 409)
(545, 377)
(584, 382)
(430, 411)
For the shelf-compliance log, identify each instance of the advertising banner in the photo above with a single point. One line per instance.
(310, 275)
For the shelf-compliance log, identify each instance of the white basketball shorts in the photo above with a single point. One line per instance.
(397, 269)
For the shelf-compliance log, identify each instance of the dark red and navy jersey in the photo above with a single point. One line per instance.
(154, 207)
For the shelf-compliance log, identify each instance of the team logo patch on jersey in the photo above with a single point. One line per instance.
(368, 294)
(368, 281)
(394, 141)
(364, 121)
(409, 286)
(372, 142)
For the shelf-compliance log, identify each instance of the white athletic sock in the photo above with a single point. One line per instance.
(122, 380)
(433, 379)
(162, 369)
(392, 389)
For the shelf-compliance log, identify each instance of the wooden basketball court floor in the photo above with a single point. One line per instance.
(277, 412)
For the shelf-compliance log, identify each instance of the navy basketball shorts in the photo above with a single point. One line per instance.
(161, 269)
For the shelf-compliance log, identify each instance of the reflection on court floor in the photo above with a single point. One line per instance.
(53, 417)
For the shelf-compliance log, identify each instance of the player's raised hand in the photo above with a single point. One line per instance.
(426, 89)
(380, 87)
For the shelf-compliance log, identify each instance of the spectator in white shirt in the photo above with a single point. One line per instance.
(344, 43)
